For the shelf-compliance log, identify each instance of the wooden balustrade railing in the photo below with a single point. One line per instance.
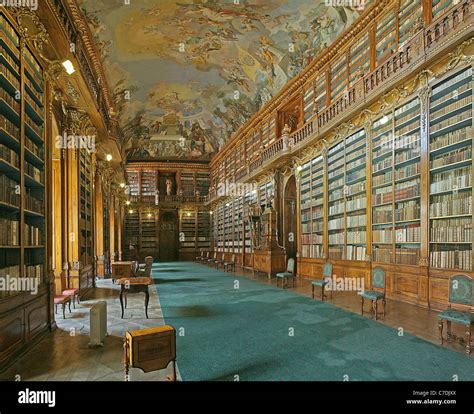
(157, 199)
(304, 132)
(335, 109)
(447, 22)
(272, 150)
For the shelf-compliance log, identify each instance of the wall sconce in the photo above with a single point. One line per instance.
(122, 185)
(127, 202)
(108, 157)
(130, 211)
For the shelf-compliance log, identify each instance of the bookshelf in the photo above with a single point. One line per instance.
(187, 183)
(148, 183)
(320, 90)
(450, 232)
(409, 12)
(22, 160)
(148, 232)
(133, 182)
(188, 230)
(338, 76)
(85, 209)
(220, 228)
(347, 198)
(203, 230)
(309, 102)
(385, 36)
(203, 182)
(312, 208)
(359, 58)
(396, 186)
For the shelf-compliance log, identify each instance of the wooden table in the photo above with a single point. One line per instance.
(123, 269)
(134, 285)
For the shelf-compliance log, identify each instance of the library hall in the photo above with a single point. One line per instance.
(234, 191)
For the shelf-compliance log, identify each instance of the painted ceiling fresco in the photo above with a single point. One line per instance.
(185, 75)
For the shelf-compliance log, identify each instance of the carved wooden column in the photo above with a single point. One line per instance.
(99, 220)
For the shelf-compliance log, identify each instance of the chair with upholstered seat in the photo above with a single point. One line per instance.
(74, 294)
(199, 258)
(145, 270)
(219, 262)
(62, 300)
(377, 293)
(205, 258)
(459, 309)
(289, 274)
(321, 283)
(230, 265)
(211, 261)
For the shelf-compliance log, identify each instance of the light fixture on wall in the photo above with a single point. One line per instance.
(149, 215)
(69, 67)
(299, 168)
(130, 211)
(122, 185)
(127, 202)
(188, 214)
(108, 157)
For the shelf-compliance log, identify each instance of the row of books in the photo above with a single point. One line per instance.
(34, 172)
(407, 155)
(382, 236)
(356, 203)
(336, 238)
(356, 221)
(451, 204)
(356, 253)
(408, 234)
(382, 179)
(451, 230)
(9, 191)
(8, 28)
(382, 214)
(463, 75)
(32, 203)
(407, 256)
(408, 171)
(382, 254)
(10, 100)
(33, 90)
(35, 149)
(452, 120)
(336, 224)
(449, 180)
(34, 125)
(5, 71)
(356, 237)
(448, 139)
(34, 271)
(452, 259)
(9, 234)
(33, 235)
(408, 210)
(407, 189)
(12, 271)
(312, 238)
(33, 104)
(9, 155)
(337, 208)
(451, 107)
(9, 127)
(452, 157)
(312, 251)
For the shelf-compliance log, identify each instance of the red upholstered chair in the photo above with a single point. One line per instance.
(74, 294)
(62, 300)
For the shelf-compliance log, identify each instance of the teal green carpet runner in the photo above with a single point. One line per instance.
(232, 328)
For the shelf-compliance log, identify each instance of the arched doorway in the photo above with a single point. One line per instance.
(290, 225)
(168, 236)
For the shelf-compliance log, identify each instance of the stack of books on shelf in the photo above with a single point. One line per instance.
(9, 231)
(10, 156)
(33, 235)
(9, 191)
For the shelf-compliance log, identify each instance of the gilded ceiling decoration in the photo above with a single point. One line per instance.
(185, 75)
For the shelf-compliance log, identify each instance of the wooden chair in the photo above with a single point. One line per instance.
(211, 261)
(62, 300)
(217, 263)
(377, 281)
(74, 295)
(145, 271)
(230, 265)
(289, 274)
(205, 258)
(327, 275)
(199, 258)
(459, 309)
